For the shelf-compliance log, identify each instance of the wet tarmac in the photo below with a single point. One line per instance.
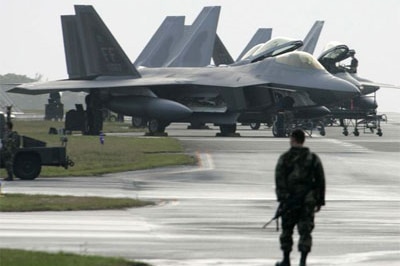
(212, 213)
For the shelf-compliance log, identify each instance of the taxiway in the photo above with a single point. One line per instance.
(212, 213)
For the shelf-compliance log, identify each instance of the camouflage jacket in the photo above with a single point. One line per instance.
(10, 142)
(300, 172)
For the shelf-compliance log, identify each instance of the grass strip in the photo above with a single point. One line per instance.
(26, 202)
(117, 154)
(14, 257)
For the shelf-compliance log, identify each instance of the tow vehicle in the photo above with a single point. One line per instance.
(32, 154)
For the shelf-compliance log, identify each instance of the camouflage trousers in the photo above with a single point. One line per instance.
(8, 159)
(303, 217)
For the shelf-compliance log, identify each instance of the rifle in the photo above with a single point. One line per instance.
(284, 206)
(279, 212)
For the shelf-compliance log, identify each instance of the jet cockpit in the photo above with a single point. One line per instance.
(273, 47)
(333, 54)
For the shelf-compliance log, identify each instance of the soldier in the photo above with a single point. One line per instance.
(10, 144)
(300, 188)
(353, 63)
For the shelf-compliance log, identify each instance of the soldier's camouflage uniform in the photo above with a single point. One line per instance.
(300, 183)
(10, 145)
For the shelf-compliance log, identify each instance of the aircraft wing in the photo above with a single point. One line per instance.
(381, 85)
(195, 77)
(37, 88)
(367, 86)
(5, 100)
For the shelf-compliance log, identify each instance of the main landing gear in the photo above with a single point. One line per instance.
(284, 123)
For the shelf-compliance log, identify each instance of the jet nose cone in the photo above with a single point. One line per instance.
(350, 87)
(342, 89)
(330, 90)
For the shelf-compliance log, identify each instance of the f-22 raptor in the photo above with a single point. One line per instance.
(99, 66)
(360, 110)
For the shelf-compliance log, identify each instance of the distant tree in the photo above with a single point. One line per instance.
(15, 78)
(35, 102)
(21, 101)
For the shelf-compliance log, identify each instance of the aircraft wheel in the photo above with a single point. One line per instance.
(356, 132)
(156, 126)
(379, 133)
(138, 122)
(255, 126)
(27, 166)
(227, 129)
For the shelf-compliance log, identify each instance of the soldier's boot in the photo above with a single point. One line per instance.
(303, 258)
(286, 259)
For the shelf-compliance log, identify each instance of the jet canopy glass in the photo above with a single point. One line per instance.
(335, 51)
(271, 48)
(299, 59)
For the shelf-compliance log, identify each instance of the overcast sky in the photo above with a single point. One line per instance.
(31, 36)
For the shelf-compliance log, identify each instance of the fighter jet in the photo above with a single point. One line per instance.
(175, 40)
(362, 109)
(332, 57)
(97, 65)
(259, 50)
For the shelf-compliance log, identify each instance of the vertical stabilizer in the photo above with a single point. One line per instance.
(101, 52)
(221, 55)
(162, 43)
(262, 35)
(73, 49)
(196, 48)
(310, 41)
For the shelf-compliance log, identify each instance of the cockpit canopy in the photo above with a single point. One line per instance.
(333, 56)
(335, 52)
(299, 59)
(272, 48)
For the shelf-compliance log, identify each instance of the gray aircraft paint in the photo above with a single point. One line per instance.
(110, 74)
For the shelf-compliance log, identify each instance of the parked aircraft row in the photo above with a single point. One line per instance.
(171, 80)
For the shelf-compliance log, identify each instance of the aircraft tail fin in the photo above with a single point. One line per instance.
(262, 35)
(197, 44)
(162, 43)
(72, 46)
(220, 53)
(97, 52)
(310, 41)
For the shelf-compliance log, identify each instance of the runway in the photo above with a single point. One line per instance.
(212, 213)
